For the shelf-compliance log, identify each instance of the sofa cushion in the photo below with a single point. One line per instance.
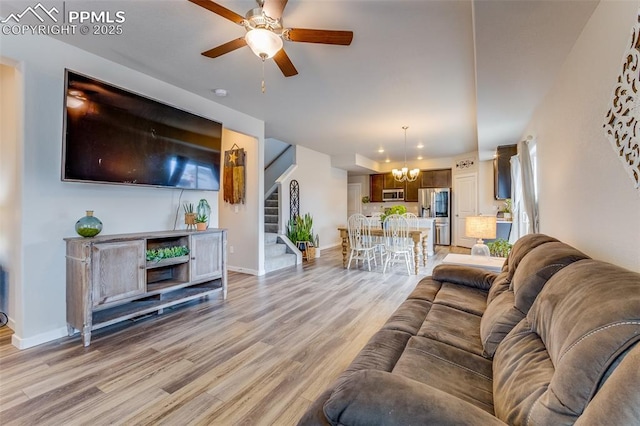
(522, 247)
(463, 298)
(454, 327)
(381, 352)
(497, 321)
(426, 289)
(409, 316)
(550, 366)
(376, 398)
(499, 285)
(535, 269)
(449, 369)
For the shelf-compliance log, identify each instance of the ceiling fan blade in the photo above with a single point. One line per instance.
(319, 36)
(220, 10)
(273, 8)
(225, 48)
(285, 64)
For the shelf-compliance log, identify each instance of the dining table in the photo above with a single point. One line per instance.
(418, 236)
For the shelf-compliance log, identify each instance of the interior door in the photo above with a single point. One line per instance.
(466, 204)
(354, 198)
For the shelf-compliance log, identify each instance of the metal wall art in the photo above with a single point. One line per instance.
(622, 123)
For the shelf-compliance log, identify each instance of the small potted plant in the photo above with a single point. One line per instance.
(506, 210)
(300, 232)
(499, 247)
(189, 215)
(201, 222)
(399, 209)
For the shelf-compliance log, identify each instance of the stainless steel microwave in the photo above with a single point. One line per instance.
(393, 195)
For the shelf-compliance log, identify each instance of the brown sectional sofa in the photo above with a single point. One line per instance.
(553, 339)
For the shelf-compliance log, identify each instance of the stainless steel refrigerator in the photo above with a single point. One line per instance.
(436, 203)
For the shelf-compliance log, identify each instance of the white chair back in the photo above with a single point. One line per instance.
(412, 220)
(396, 232)
(359, 230)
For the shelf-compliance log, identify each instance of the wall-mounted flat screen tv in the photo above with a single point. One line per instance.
(115, 136)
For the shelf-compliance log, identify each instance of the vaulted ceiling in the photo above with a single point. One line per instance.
(463, 75)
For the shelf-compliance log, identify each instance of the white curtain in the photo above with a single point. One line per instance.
(529, 201)
(523, 196)
(516, 200)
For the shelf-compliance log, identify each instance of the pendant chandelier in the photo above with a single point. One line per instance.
(404, 174)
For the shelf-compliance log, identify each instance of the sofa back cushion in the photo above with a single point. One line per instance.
(507, 306)
(535, 269)
(553, 362)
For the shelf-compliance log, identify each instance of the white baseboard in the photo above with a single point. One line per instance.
(243, 270)
(38, 339)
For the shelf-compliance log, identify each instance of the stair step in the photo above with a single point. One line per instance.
(270, 237)
(271, 210)
(279, 262)
(271, 203)
(274, 250)
(271, 228)
(269, 218)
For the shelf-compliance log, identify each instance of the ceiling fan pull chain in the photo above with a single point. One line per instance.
(263, 86)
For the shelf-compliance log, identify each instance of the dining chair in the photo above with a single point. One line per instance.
(362, 248)
(414, 225)
(396, 233)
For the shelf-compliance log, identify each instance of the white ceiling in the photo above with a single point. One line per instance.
(414, 63)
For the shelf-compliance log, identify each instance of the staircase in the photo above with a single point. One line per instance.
(271, 213)
(276, 253)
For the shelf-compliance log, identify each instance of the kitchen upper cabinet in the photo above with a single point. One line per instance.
(411, 191)
(376, 185)
(391, 183)
(440, 178)
(502, 171)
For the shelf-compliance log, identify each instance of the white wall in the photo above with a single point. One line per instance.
(323, 194)
(586, 198)
(245, 240)
(9, 196)
(49, 208)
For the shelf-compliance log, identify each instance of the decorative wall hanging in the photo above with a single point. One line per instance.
(465, 164)
(294, 199)
(234, 175)
(622, 123)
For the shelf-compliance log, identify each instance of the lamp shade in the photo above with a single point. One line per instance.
(263, 43)
(480, 227)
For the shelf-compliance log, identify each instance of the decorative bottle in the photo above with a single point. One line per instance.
(89, 225)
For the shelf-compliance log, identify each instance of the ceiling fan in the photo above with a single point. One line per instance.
(265, 33)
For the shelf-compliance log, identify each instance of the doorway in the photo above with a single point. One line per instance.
(465, 204)
(354, 198)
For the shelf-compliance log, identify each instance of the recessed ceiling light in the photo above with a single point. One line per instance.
(387, 161)
(221, 93)
(420, 146)
(419, 157)
(381, 150)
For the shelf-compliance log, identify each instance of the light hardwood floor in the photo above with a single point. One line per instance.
(258, 358)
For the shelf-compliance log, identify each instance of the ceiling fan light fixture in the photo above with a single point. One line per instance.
(263, 43)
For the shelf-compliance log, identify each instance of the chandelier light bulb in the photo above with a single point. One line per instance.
(404, 175)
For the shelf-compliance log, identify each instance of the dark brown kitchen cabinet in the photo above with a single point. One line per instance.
(391, 183)
(376, 184)
(502, 171)
(440, 178)
(411, 191)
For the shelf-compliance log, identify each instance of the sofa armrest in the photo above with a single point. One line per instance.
(372, 397)
(464, 275)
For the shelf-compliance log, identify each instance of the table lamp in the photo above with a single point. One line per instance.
(480, 227)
